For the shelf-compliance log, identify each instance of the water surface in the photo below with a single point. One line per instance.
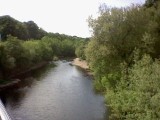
(63, 92)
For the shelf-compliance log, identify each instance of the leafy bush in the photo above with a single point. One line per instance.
(123, 56)
(138, 99)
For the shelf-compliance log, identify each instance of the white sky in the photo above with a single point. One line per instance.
(62, 16)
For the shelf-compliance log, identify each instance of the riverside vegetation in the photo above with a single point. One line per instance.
(123, 54)
(25, 45)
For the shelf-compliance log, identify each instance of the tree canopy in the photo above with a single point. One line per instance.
(124, 57)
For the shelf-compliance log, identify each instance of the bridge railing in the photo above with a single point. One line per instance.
(3, 113)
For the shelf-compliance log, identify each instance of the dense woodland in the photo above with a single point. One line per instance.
(124, 54)
(24, 45)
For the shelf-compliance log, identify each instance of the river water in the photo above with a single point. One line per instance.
(61, 92)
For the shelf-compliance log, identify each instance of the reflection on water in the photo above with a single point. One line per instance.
(63, 92)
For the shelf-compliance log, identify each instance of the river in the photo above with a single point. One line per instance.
(61, 92)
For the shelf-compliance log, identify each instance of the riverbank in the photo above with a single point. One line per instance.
(82, 64)
(9, 84)
(21, 72)
(14, 81)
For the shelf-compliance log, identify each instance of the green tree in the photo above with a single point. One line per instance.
(34, 31)
(117, 56)
(9, 25)
(80, 50)
(67, 48)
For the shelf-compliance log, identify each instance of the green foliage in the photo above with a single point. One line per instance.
(151, 3)
(138, 99)
(107, 82)
(67, 48)
(80, 50)
(33, 51)
(28, 30)
(14, 48)
(34, 32)
(54, 43)
(46, 50)
(17, 55)
(61, 48)
(23, 31)
(123, 56)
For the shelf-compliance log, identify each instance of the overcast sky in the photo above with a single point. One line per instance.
(62, 16)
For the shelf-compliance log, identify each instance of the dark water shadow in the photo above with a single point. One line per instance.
(18, 92)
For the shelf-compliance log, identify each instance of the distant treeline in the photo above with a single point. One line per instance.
(124, 55)
(26, 30)
(25, 45)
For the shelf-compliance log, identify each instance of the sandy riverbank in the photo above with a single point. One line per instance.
(81, 63)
